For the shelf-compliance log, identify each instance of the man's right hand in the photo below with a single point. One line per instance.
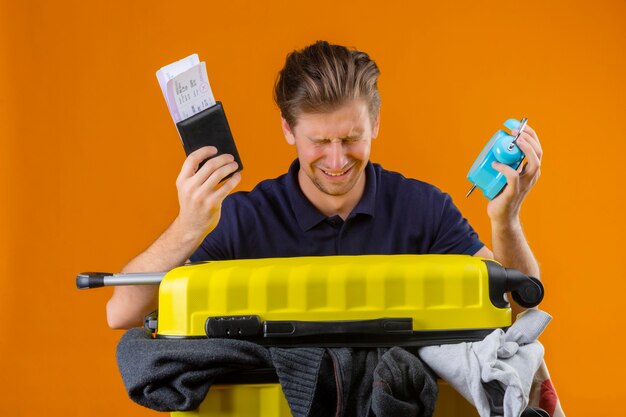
(200, 194)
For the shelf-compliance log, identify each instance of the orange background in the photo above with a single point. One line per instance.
(90, 155)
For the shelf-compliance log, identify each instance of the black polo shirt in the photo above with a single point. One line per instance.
(396, 215)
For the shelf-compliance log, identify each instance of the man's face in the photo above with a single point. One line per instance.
(333, 148)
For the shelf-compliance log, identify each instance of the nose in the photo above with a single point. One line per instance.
(337, 155)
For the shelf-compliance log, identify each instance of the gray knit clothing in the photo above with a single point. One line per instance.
(175, 375)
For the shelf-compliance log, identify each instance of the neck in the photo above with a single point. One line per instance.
(332, 205)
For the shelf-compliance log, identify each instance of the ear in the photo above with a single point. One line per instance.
(287, 131)
(376, 126)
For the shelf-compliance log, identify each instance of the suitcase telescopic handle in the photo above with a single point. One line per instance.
(88, 280)
(526, 291)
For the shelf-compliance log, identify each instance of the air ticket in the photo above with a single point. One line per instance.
(168, 72)
(187, 90)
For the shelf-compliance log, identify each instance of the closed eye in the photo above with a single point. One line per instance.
(320, 141)
(348, 140)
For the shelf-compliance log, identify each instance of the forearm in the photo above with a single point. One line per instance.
(171, 249)
(511, 248)
(130, 304)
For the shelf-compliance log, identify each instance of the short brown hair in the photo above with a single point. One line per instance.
(321, 77)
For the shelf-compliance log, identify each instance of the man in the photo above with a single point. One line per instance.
(333, 200)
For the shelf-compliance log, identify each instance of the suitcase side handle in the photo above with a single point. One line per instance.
(242, 327)
(382, 326)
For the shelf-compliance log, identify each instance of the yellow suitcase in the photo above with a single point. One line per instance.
(368, 300)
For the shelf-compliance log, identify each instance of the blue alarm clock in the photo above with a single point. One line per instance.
(501, 148)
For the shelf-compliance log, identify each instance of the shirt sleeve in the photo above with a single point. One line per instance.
(453, 233)
(209, 249)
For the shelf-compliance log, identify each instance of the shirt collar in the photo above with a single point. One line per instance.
(308, 216)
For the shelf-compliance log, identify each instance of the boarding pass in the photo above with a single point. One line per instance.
(185, 86)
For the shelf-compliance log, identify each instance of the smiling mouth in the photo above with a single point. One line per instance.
(336, 174)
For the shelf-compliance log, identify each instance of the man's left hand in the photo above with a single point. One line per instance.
(504, 209)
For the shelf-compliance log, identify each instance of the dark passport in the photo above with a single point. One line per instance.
(209, 128)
